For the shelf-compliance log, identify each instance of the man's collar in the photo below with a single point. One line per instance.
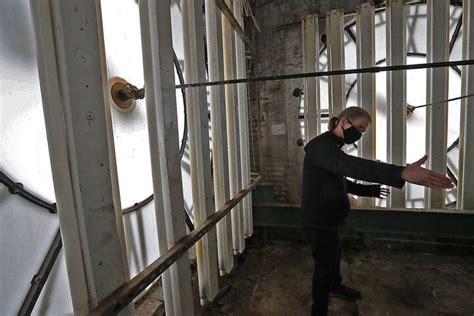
(339, 140)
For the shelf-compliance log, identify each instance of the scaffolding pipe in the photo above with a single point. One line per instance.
(128, 291)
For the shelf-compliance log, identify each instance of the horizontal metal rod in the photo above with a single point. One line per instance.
(332, 73)
(444, 101)
(125, 294)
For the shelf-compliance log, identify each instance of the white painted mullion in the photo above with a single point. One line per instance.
(437, 115)
(242, 113)
(312, 107)
(396, 91)
(466, 139)
(335, 51)
(198, 134)
(219, 140)
(231, 130)
(365, 24)
(164, 148)
(73, 81)
(365, 21)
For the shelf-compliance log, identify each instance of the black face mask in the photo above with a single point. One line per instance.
(351, 135)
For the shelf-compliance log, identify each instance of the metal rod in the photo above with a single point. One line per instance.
(455, 34)
(332, 73)
(39, 279)
(233, 22)
(128, 291)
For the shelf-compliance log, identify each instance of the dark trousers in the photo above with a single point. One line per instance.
(326, 252)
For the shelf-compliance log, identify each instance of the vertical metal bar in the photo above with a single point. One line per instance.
(466, 139)
(312, 108)
(72, 70)
(155, 19)
(335, 51)
(148, 54)
(238, 135)
(365, 24)
(231, 130)
(242, 73)
(437, 133)
(198, 122)
(242, 114)
(221, 186)
(227, 221)
(396, 91)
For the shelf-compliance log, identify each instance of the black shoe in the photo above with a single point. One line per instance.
(346, 293)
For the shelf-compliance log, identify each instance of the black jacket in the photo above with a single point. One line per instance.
(325, 201)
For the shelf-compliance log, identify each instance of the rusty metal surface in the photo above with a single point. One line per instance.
(128, 291)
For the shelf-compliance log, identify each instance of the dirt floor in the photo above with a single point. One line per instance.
(276, 280)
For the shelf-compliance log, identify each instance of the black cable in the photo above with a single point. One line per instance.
(18, 188)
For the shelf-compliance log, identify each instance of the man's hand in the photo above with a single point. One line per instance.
(416, 174)
(384, 192)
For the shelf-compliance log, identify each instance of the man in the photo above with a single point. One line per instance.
(325, 202)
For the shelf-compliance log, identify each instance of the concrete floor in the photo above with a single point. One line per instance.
(276, 280)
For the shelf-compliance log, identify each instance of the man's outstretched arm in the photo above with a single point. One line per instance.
(334, 160)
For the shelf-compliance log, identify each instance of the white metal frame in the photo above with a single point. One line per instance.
(72, 70)
(157, 45)
(396, 92)
(466, 139)
(243, 120)
(198, 135)
(312, 107)
(219, 132)
(437, 81)
(231, 133)
(335, 53)
(365, 24)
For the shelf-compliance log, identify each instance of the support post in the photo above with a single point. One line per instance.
(312, 107)
(396, 92)
(243, 119)
(157, 47)
(365, 23)
(466, 139)
(231, 132)
(218, 129)
(437, 80)
(198, 135)
(73, 81)
(335, 52)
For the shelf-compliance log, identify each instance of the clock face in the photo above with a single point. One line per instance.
(416, 90)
